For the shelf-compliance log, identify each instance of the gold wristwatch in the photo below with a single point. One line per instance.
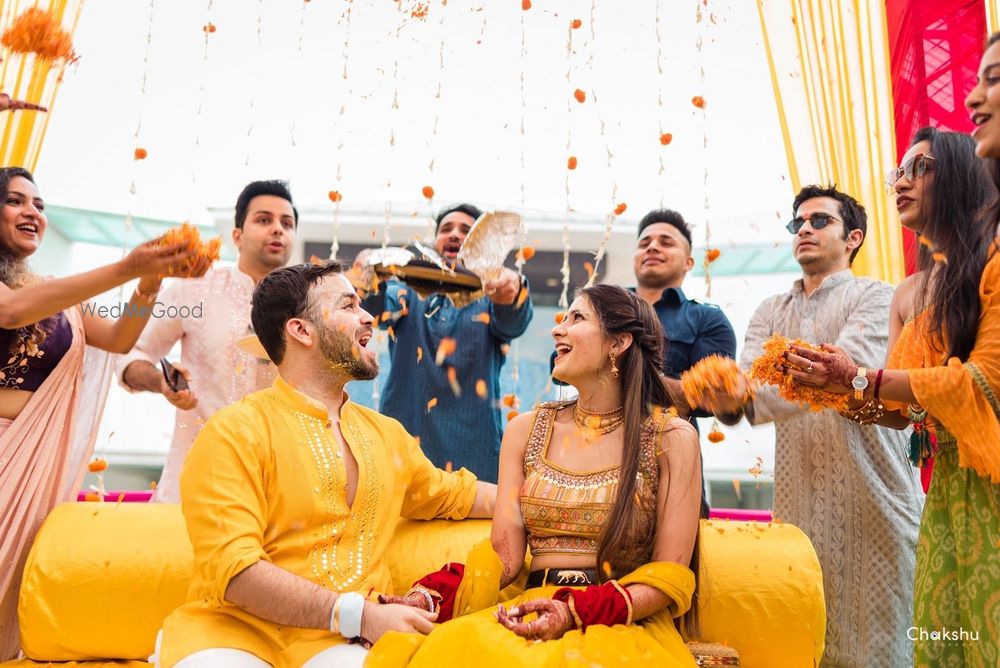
(860, 383)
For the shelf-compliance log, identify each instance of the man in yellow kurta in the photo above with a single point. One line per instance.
(291, 494)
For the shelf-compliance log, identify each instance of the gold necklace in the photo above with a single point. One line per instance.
(603, 423)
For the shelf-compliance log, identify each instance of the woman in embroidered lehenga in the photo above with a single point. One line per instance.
(605, 491)
(48, 421)
(943, 375)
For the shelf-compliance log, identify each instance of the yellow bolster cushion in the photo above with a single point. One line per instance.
(761, 592)
(100, 579)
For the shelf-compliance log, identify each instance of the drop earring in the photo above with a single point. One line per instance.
(614, 366)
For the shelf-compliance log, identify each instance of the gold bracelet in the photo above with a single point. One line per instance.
(149, 299)
(867, 413)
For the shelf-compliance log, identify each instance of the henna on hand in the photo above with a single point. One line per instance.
(554, 619)
(413, 599)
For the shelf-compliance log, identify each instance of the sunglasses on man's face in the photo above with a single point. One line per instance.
(913, 167)
(817, 220)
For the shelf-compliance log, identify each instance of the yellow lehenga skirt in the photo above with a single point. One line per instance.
(477, 638)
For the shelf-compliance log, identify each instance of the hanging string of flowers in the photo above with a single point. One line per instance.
(140, 153)
(253, 96)
(208, 29)
(336, 195)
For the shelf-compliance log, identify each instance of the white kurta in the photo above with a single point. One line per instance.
(850, 488)
(221, 374)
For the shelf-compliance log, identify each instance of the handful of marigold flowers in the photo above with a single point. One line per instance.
(711, 373)
(767, 369)
(190, 238)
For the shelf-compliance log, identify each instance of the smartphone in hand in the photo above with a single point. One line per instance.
(175, 379)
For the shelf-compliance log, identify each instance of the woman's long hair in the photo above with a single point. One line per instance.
(622, 312)
(954, 224)
(15, 274)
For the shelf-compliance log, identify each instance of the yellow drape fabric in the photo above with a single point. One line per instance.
(992, 16)
(31, 79)
(829, 63)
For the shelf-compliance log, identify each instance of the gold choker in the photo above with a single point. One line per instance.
(603, 423)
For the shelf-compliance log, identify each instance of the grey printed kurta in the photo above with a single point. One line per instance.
(850, 488)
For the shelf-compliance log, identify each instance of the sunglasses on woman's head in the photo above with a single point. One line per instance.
(912, 168)
(817, 220)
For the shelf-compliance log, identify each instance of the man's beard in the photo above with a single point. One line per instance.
(344, 353)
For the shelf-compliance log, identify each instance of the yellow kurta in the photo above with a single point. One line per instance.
(264, 480)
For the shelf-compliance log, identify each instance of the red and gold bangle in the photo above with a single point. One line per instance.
(576, 616)
(628, 599)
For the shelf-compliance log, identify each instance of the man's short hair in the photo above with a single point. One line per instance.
(851, 212)
(257, 188)
(468, 209)
(281, 295)
(668, 216)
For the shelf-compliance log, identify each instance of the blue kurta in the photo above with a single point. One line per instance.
(462, 430)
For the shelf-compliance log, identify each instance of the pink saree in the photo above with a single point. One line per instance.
(43, 458)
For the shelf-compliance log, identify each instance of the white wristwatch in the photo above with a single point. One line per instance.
(860, 383)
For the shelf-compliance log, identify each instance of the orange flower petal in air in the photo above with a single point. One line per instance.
(571, 163)
(420, 354)
(559, 317)
(939, 257)
(428, 192)
(97, 465)
(432, 403)
(522, 297)
(511, 415)
(445, 348)
(620, 209)
(209, 27)
(575, 23)
(580, 96)
(589, 268)
(140, 154)
(666, 138)
(91, 496)
(509, 400)
(482, 317)
(716, 436)
(456, 389)
(481, 388)
(712, 254)
(335, 196)
(525, 5)
(698, 101)
(526, 253)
